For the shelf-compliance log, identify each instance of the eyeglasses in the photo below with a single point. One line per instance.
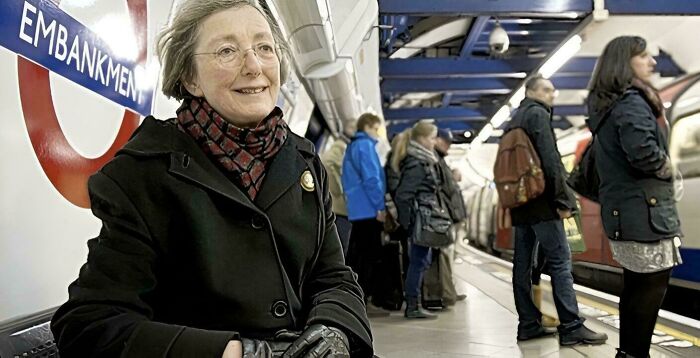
(229, 55)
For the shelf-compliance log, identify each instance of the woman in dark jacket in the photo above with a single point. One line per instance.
(636, 185)
(418, 174)
(218, 236)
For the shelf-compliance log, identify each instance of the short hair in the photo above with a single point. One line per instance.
(367, 120)
(176, 43)
(532, 82)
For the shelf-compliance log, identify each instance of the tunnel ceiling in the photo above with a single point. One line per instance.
(435, 61)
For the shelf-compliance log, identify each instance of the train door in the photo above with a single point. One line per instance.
(685, 153)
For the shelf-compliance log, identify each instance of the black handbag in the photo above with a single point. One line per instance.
(584, 178)
(432, 221)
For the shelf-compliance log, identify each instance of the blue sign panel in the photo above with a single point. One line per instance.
(41, 32)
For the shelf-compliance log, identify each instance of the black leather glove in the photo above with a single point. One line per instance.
(253, 348)
(319, 341)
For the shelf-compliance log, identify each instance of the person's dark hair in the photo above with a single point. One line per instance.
(367, 120)
(613, 73)
(532, 82)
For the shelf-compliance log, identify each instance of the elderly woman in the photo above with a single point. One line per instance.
(218, 236)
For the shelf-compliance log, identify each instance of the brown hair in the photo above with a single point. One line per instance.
(367, 120)
(613, 73)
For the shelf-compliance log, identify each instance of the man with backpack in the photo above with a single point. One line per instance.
(539, 219)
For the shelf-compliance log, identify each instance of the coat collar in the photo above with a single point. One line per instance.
(364, 135)
(189, 162)
(527, 102)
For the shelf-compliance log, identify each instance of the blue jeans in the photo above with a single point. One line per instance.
(553, 245)
(419, 261)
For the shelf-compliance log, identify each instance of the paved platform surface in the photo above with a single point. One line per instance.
(485, 324)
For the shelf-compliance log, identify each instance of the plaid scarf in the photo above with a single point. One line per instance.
(245, 153)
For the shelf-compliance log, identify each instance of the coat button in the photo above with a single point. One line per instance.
(616, 213)
(652, 201)
(279, 309)
(257, 222)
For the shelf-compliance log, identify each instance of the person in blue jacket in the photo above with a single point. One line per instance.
(364, 186)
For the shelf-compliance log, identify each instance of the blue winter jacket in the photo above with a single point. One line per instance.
(363, 178)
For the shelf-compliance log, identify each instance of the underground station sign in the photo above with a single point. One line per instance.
(46, 39)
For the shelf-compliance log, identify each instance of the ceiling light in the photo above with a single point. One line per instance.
(559, 58)
(500, 117)
(517, 97)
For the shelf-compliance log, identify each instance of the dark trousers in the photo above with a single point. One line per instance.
(364, 253)
(420, 258)
(344, 227)
(553, 245)
(640, 302)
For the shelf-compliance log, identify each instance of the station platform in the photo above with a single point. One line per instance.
(485, 324)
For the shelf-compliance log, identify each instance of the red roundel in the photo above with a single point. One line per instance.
(67, 170)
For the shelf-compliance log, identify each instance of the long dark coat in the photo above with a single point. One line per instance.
(630, 150)
(186, 262)
(536, 119)
(417, 176)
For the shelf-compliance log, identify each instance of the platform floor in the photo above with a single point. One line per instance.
(485, 324)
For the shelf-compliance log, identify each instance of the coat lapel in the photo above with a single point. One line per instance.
(202, 172)
(284, 172)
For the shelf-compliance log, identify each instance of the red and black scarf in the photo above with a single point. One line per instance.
(243, 152)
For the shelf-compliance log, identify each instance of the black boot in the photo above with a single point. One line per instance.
(413, 310)
(582, 335)
(623, 354)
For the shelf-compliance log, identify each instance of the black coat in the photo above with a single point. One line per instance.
(392, 177)
(417, 176)
(631, 149)
(451, 192)
(186, 262)
(536, 119)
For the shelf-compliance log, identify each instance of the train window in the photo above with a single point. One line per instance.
(685, 145)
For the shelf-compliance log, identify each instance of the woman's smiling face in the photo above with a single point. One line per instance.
(237, 69)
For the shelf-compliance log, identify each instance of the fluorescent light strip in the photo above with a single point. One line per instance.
(564, 54)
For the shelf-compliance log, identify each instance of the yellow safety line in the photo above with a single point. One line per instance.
(611, 310)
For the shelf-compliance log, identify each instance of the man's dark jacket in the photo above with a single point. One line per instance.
(631, 149)
(536, 119)
(451, 191)
(186, 262)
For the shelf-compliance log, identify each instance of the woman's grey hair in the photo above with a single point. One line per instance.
(176, 43)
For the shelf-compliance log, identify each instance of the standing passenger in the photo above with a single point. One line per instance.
(364, 186)
(217, 236)
(419, 176)
(636, 187)
(438, 289)
(333, 161)
(540, 219)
